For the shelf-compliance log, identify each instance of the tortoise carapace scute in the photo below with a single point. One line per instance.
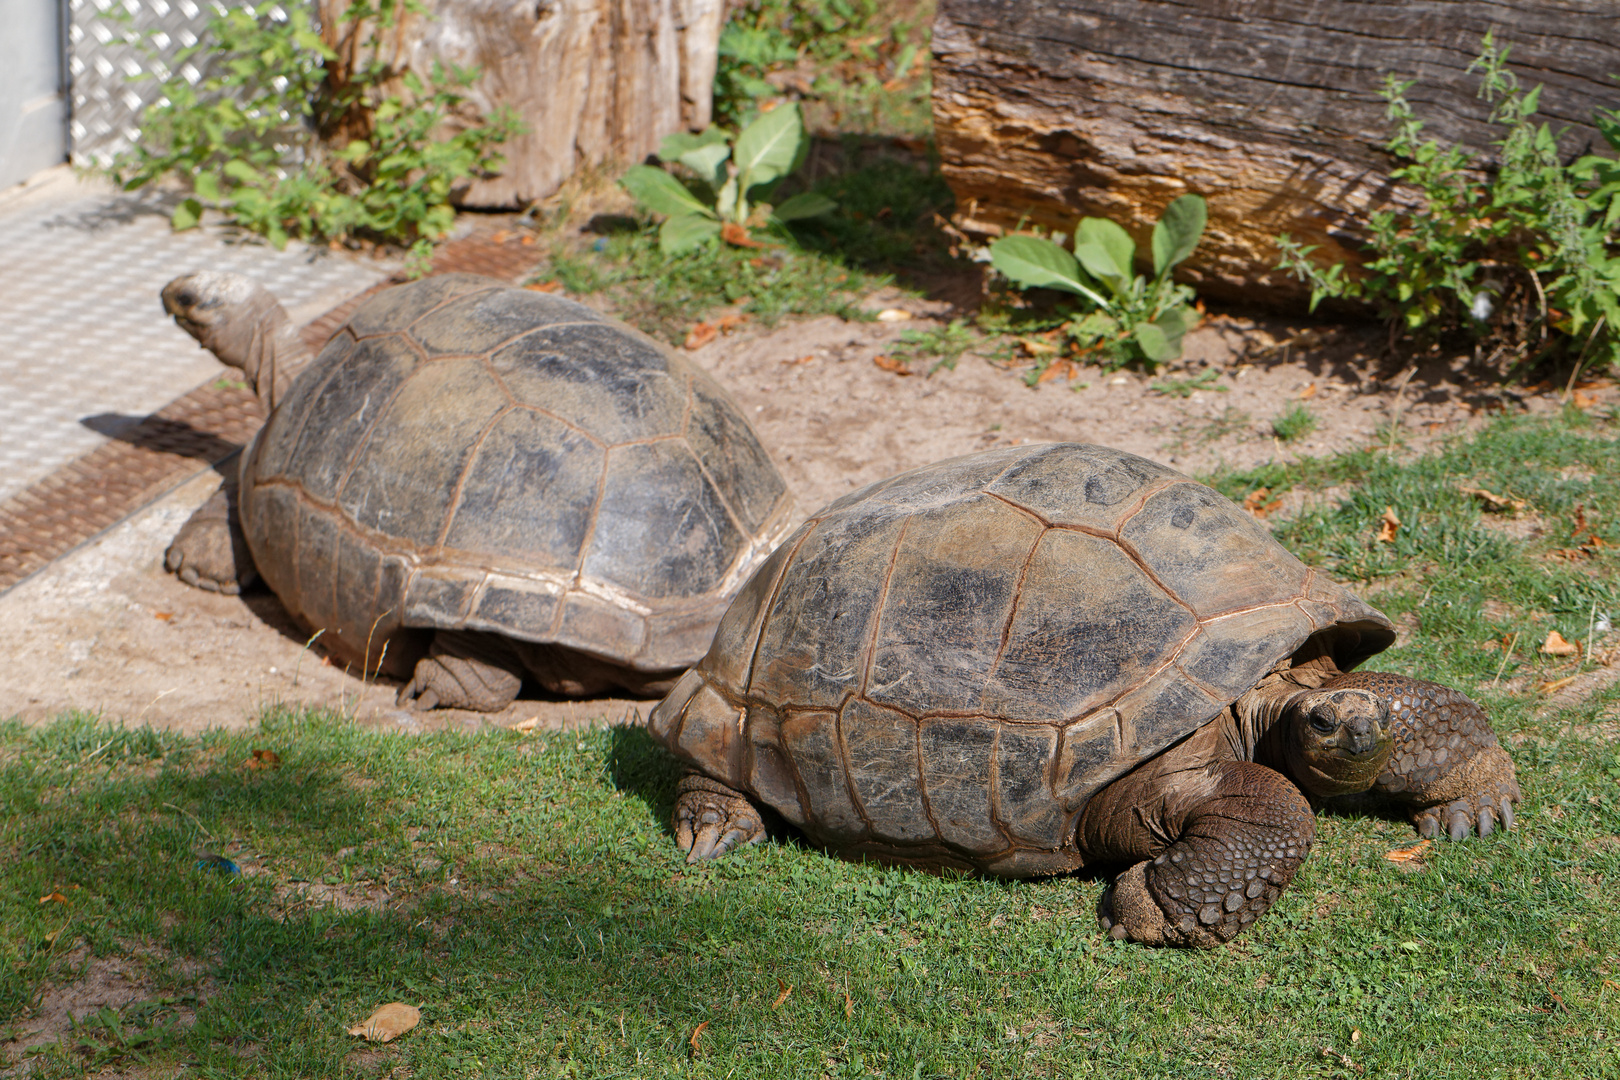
(943, 667)
(464, 455)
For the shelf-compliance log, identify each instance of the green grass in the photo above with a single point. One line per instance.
(537, 912)
(1294, 422)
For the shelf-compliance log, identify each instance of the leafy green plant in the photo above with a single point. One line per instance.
(1209, 379)
(1128, 317)
(1294, 422)
(945, 343)
(1519, 251)
(764, 35)
(727, 172)
(258, 137)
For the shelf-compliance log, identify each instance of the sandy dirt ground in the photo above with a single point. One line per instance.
(106, 630)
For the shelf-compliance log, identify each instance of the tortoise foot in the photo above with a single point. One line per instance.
(209, 552)
(1476, 798)
(463, 671)
(711, 819)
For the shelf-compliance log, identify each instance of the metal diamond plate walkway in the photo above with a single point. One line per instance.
(105, 404)
(85, 349)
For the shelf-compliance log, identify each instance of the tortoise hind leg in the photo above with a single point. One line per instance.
(465, 669)
(1214, 842)
(210, 552)
(711, 819)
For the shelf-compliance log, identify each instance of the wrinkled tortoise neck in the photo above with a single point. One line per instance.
(276, 353)
(261, 340)
(1257, 711)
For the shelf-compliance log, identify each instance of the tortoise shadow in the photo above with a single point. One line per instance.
(164, 436)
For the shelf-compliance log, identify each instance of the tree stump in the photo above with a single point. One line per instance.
(595, 81)
(1049, 110)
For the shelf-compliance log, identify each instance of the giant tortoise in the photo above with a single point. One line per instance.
(1036, 659)
(473, 482)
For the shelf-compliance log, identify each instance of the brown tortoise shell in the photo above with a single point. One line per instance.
(465, 455)
(942, 668)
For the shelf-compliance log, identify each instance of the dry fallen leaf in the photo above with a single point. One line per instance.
(737, 236)
(1260, 503)
(56, 896)
(1555, 645)
(263, 759)
(163, 616)
(1557, 684)
(527, 725)
(849, 1006)
(1037, 347)
(1584, 401)
(893, 314)
(388, 1023)
(695, 1033)
(1388, 525)
(1056, 368)
(787, 988)
(701, 335)
(727, 322)
(1409, 855)
(553, 285)
(1308, 392)
(805, 359)
(1494, 501)
(889, 363)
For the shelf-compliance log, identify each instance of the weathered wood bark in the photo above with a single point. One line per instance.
(594, 80)
(1047, 110)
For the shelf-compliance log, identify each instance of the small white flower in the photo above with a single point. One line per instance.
(1603, 625)
(1482, 307)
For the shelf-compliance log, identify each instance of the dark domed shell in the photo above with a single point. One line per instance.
(946, 665)
(468, 455)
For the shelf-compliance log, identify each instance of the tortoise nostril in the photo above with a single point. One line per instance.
(186, 299)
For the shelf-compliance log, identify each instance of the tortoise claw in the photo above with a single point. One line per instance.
(711, 819)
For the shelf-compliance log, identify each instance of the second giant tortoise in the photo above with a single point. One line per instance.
(1037, 659)
(474, 482)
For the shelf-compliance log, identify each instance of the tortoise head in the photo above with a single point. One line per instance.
(1336, 740)
(221, 310)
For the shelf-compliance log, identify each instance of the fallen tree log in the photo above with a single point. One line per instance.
(1049, 110)
(594, 81)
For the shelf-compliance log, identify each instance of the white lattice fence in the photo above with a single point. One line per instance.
(107, 64)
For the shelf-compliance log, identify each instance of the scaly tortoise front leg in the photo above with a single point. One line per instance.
(1213, 841)
(1447, 767)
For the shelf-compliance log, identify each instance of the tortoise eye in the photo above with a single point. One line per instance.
(1321, 722)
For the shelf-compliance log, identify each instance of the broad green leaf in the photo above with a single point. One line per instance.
(726, 205)
(806, 204)
(1155, 344)
(1033, 263)
(767, 148)
(709, 162)
(685, 232)
(1160, 339)
(1176, 322)
(243, 173)
(680, 143)
(186, 215)
(660, 192)
(206, 184)
(1115, 245)
(1178, 232)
